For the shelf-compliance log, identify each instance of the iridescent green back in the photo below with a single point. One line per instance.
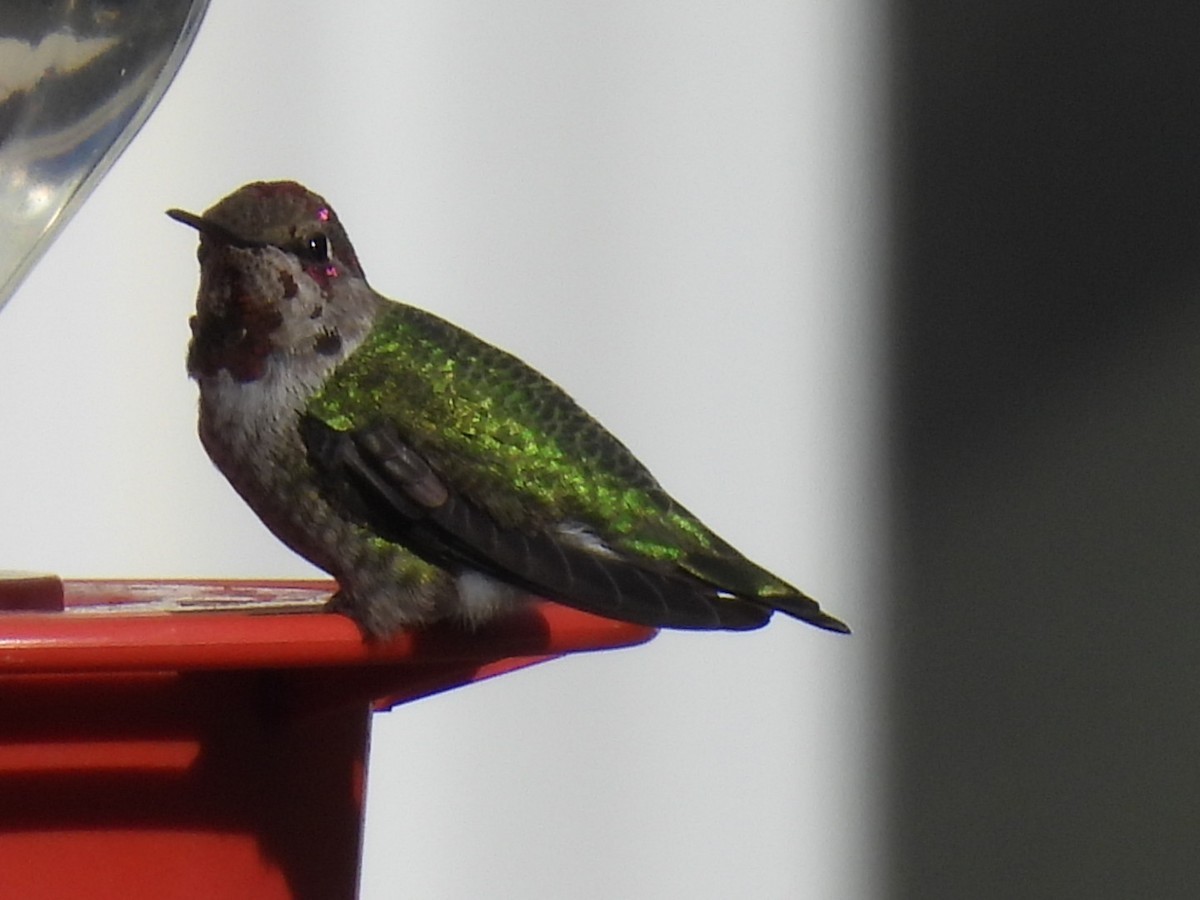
(513, 442)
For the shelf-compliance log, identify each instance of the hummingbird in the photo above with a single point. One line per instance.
(433, 475)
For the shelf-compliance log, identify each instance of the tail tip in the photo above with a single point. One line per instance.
(822, 619)
(806, 609)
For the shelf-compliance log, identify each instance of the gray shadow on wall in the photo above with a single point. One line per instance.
(1045, 698)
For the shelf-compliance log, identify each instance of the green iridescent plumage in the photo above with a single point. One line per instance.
(517, 445)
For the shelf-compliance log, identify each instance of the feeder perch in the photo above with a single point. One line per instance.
(203, 739)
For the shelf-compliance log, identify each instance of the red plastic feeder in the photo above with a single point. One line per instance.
(173, 741)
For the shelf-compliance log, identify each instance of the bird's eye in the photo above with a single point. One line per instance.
(315, 248)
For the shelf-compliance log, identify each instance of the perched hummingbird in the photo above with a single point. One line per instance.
(433, 475)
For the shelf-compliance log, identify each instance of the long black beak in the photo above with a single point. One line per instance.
(211, 229)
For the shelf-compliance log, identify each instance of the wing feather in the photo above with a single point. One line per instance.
(462, 452)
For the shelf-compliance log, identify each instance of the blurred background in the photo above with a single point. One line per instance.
(897, 297)
(1044, 444)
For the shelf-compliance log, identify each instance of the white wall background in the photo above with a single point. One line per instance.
(669, 207)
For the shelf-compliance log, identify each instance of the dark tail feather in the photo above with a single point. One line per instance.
(806, 610)
(728, 571)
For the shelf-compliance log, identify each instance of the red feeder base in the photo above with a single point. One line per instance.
(148, 753)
